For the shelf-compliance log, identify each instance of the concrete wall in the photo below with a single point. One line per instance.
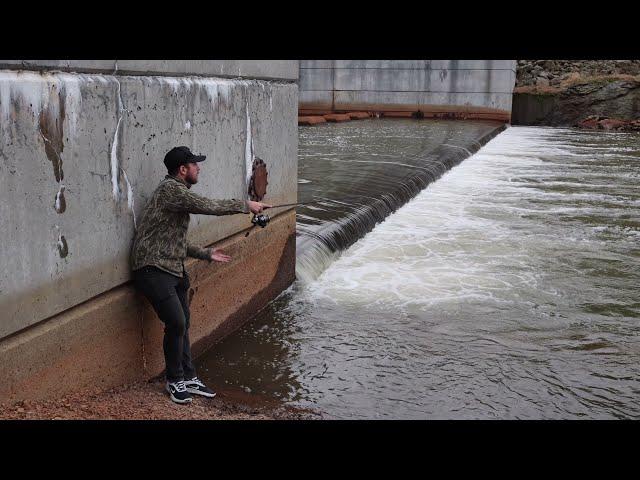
(80, 153)
(478, 88)
(271, 70)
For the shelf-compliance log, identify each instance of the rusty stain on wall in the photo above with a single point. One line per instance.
(258, 183)
(51, 128)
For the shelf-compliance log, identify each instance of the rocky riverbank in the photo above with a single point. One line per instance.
(596, 122)
(543, 73)
(574, 93)
(148, 401)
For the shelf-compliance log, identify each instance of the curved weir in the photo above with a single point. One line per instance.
(355, 179)
(506, 289)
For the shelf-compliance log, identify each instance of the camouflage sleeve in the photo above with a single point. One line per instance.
(197, 252)
(180, 199)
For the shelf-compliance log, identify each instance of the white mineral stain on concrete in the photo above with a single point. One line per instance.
(114, 162)
(248, 148)
(130, 202)
(34, 91)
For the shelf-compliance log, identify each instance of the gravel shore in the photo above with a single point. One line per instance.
(149, 401)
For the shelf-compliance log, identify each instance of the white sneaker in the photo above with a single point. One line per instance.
(178, 392)
(196, 387)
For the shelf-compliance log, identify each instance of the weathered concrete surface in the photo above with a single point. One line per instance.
(116, 337)
(269, 70)
(98, 343)
(425, 64)
(80, 154)
(482, 87)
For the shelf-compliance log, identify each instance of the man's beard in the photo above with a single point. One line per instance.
(191, 180)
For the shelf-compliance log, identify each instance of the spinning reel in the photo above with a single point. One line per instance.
(258, 189)
(260, 219)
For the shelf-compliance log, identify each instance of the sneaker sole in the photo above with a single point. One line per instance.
(198, 392)
(181, 402)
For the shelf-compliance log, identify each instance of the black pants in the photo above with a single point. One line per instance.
(169, 296)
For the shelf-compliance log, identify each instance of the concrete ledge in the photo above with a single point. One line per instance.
(305, 112)
(397, 114)
(459, 112)
(286, 70)
(337, 117)
(116, 338)
(314, 117)
(314, 120)
(358, 115)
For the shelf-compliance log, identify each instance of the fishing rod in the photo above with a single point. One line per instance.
(262, 220)
(294, 204)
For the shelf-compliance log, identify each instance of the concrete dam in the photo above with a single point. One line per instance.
(81, 152)
(464, 89)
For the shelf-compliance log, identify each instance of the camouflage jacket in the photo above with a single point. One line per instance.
(161, 236)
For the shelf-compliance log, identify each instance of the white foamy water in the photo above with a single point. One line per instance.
(459, 240)
(506, 289)
(437, 249)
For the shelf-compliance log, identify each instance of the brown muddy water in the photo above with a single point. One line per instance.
(505, 289)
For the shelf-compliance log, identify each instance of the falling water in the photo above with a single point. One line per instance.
(357, 174)
(505, 289)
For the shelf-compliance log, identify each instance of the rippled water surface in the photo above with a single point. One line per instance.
(506, 289)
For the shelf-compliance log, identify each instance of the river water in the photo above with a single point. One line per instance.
(507, 288)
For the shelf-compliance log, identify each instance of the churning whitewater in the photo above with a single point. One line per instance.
(506, 289)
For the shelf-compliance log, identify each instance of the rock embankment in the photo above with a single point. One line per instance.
(570, 92)
(545, 73)
(596, 122)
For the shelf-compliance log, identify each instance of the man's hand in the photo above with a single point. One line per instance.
(217, 255)
(257, 207)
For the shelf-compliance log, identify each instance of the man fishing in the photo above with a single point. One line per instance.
(157, 261)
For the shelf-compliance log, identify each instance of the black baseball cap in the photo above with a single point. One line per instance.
(179, 156)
